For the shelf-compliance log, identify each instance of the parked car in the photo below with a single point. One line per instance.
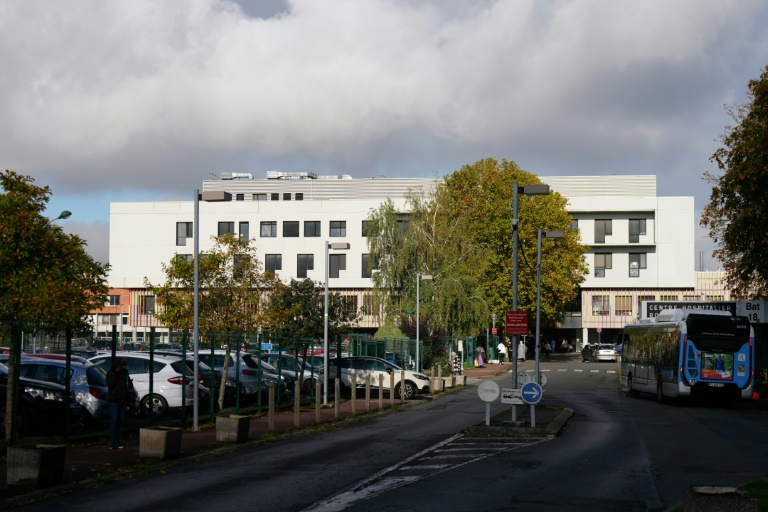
(361, 366)
(87, 381)
(255, 375)
(293, 367)
(204, 371)
(588, 353)
(41, 405)
(169, 375)
(606, 352)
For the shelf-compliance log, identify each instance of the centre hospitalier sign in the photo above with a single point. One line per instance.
(517, 323)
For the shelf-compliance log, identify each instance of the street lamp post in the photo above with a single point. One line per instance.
(419, 277)
(211, 197)
(548, 234)
(529, 190)
(337, 246)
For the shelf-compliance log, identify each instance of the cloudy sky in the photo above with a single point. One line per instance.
(142, 100)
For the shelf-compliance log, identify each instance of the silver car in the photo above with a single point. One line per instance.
(87, 381)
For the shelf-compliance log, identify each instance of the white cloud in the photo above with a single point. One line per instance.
(98, 96)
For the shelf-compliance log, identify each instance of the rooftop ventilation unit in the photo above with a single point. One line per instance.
(291, 175)
(236, 175)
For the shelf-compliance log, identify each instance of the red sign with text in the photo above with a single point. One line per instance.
(517, 323)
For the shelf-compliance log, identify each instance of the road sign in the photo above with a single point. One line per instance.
(488, 391)
(266, 346)
(517, 323)
(511, 396)
(531, 393)
(525, 377)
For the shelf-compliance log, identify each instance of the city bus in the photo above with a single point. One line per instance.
(694, 353)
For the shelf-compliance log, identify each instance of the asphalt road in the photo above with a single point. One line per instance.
(616, 453)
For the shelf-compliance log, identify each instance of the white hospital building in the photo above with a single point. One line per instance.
(642, 245)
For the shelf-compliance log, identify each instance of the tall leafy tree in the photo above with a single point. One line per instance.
(738, 200)
(232, 293)
(460, 233)
(299, 308)
(47, 279)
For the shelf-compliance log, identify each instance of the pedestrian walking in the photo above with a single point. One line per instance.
(502, 351)
(119, 387)
(456, 366)
(547, 349)
(480, 355)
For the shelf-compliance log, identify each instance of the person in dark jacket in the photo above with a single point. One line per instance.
(118, 384)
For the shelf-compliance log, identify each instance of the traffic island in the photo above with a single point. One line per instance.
(550, 421)
(707, 498)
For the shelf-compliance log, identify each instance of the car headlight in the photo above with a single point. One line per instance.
(45, 394)
(420, 376)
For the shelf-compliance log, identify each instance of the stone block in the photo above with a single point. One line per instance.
(160, 442)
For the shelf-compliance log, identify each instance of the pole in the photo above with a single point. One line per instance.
(418, 280)
(538, 322)
(514, 293)
(325, 334)
(196, 311)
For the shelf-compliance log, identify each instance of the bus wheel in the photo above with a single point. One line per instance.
(631, 392)
(660, 398)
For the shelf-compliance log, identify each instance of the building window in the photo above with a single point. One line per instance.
(623, 305)
(366, 266)
(668, 298)
(368, 305)
(603, 227)
(603, 260)
(304, 262)
(336, 262)
(575, 225)
(286, 196)
(403, 225)
(716, 298)
(268, 229)
(636, 228)
(601, 305)
(349, 304)
(147, 304)
(183, 231)
(311, 228)
(291, 228)
(275, 196)
(239, 197)
(273, 262)
(338, 228)
(226, 228)
(645, 298)
(184, 259)
(245, 231)
(259, 197)
(636, 262)
(366, 224)
(239, 264)
(299, 196)
(113, 300)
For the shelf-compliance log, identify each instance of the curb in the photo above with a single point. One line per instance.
(553, 428)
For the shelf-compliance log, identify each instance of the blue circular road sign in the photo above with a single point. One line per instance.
(531, 393)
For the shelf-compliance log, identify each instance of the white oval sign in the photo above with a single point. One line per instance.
(488, 391)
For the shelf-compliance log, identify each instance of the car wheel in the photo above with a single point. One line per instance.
(630, 388)
(409, 390)
(79, 424)
(154, 406)
(660, 398)
(308, 387)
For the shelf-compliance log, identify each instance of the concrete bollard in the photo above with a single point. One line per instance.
(354, 395)
(317, 401)
(391, 389)
(402, 386)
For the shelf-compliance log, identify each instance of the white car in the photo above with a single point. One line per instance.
(168, 380)
(254, 375)
(362, 366)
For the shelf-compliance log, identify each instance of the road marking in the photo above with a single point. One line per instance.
(383, 481)
(594, 371)
(578, 370)
(562, 369)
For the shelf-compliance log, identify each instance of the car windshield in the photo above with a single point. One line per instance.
(251, 362)
(606, 347)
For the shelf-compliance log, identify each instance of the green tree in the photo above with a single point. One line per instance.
(232, 290)
(298, 311)
(738, 200)
(460, 233)
(47, 279)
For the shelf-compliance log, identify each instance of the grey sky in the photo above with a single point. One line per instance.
(141, 100)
